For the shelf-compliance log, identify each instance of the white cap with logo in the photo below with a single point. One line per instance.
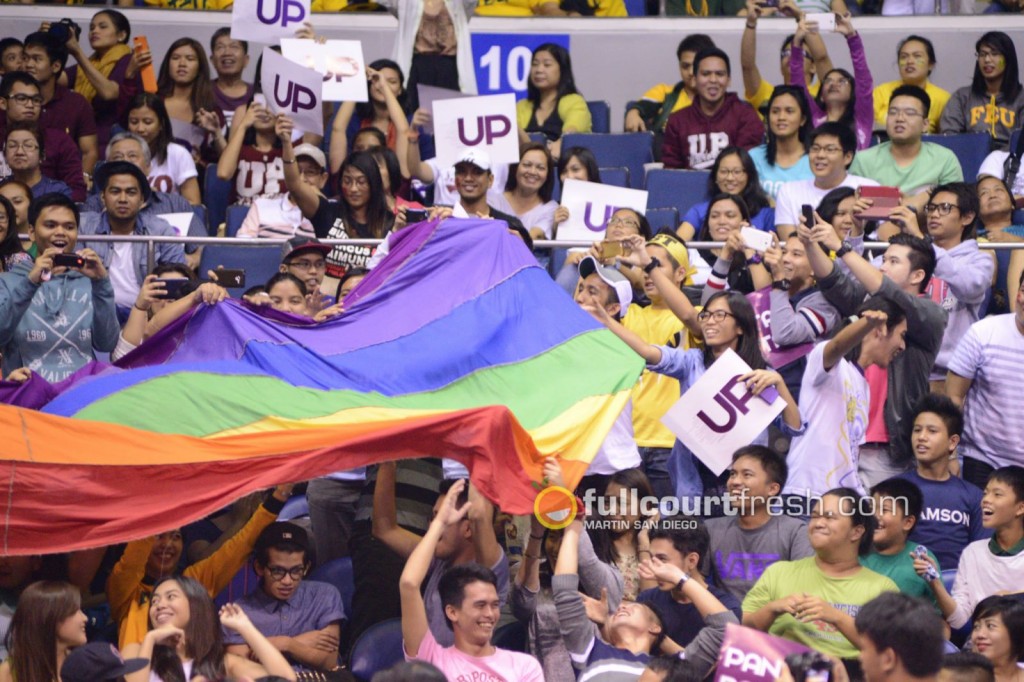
(478, 157)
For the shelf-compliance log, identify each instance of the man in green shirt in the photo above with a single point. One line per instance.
(814, 601)
(905, 161)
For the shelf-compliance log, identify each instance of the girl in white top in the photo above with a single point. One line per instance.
(185, 639)
(172, 171)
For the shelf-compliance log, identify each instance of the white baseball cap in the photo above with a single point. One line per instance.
(477, 157)
(610, 276)
(313, 152)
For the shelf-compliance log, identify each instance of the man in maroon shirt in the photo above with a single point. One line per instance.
(21, 101)
(63, 109)
(717, 119)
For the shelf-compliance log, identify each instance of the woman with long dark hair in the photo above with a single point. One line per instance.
(185, 639)
(725, 218)
(11, 251)
(172, 170)
(624, 543)
(528, 191)
(733, 172)
(184, 84)
(552, 105)
(252, 158)
(387, 106)
(994, 101)
(47, 624)
(783, 157)
(841, 97)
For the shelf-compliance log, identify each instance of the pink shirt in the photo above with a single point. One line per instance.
(501, 666)
(878, 382)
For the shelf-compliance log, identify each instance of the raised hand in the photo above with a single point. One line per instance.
(233, 617)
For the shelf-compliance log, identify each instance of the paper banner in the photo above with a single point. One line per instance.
(591, 205)
(718, 415)
(267, 21)
(428, 94)
(749, 655)
(487, 123)
(340, 62)
(773, 355)
(179, 221)
(293, 90)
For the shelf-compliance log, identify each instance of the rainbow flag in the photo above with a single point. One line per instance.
(457, 345)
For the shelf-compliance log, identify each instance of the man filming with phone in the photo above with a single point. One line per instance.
(124, 192)
(58, 310)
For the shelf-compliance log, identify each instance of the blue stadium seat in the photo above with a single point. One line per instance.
(663, 219)
(200, 212)
(296, 507)
(259, 262)
(635, 8)
(233, 221)
(631, 150)
(970, 148)
(378, 648)
(615, 176)
(510, 636)
(215, 198)
(948, 576)
(537, 138)
(600, 116)
(338, 572)
(679, 189)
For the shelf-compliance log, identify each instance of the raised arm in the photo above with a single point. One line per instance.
(271, 661)
(849, 337)
(385, 517)
(245, 116)
(748, 50)
(307, 197)
(577, 630)
(414, 164)
(106, 89)
(339, 135)
(481, 517)
(650, 353)
(673, 296)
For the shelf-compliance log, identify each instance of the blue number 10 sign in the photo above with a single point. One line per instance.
(502, 60)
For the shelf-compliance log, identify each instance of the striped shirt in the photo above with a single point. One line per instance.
(989, 355)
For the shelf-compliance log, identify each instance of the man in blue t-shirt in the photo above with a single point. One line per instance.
(951, 518)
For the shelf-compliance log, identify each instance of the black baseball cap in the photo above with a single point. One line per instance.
(296, 245)
(98, 662)
(281, 532)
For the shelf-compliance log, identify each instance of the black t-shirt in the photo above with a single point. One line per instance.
(552, 128)
(327, 224)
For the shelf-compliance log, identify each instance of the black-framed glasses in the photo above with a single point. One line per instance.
(278, 572)
(716, 315)
(23, 99)
(942, 209)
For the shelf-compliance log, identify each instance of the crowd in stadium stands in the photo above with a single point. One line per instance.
(897, 366)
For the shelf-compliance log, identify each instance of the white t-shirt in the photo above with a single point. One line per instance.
(542, 216)
(444, 183)
(995, 165)
(170, 175)
(122, 275)
(618, 451)
(793, 195)
(275, 218)
(834, 404)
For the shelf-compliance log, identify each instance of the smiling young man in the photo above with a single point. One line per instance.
(229, 57)
(301, 618)
(651, 111)
(717, 119)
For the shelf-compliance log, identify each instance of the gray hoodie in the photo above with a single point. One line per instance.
(967, 112)
(963, 276)
(53, 327)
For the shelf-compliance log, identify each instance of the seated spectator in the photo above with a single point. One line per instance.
(994, 101)
(998, 635)
(20, 197)
(100, 77)
(898, 505)
(695, 136)
(635, 631)
(280, 217)
(842, 97)
(901, 639)
(252, 157)
(24, 150)
(385, 112)
(815, 600)
(173, 171)
(577, 163)
(229, 57)
(1006, 167)
(63, 109)
(98, 662)
(304, 257)
(470, 596)
(839, 209)
(951, 516)
(835, 398)
(300, 617)
(995, 224)
(756, 89)
(915, 56)
(183, 82)
(349, 282)
(474, 541)
(12, 55)
(832, 149)
(124, 190)
(799, 314)
(907, 266)
(49, 612)
(783, 157)
(733, 172)
(980, 382)
(651, 111)
(581, 8)
(552, 105)
(905, 161)
(528, 191)
(685, 548)
(745, 544)
(731, 263)
(11, 251)
(130, 584)
(86, 317)
(288, 294)
(21, 101)
(185, 636)
(966, 666)
(993, 566)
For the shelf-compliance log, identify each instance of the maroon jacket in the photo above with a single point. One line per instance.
(693, 140)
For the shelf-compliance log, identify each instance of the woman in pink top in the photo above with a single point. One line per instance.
(842, 97)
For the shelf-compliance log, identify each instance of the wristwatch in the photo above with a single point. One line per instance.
(755, 259)
(781, 285)
(682, 581)
(650, 267)
(845, 248)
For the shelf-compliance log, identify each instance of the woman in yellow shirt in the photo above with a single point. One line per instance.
(552, 105)
(916, 59)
